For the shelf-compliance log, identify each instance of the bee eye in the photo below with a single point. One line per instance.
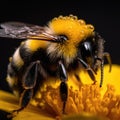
(87, 50)
(62, 38)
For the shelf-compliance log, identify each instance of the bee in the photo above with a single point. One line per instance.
(65, 45)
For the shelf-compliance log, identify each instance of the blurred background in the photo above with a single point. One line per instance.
(105, 16)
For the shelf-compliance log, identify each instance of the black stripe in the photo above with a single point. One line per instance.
(12, 69)
(25, 54)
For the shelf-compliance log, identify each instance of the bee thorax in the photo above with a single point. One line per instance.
(55, 52)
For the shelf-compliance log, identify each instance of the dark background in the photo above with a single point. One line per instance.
(105, 16)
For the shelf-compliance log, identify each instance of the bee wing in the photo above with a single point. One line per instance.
(19, 30)
(3, 34)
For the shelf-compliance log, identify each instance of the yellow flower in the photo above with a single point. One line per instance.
(85, 100)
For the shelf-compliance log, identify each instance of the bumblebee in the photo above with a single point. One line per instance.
(65, 45)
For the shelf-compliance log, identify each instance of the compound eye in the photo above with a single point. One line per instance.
(87, 46)
(87, 50)
(62, 38)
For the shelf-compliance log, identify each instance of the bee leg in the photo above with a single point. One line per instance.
(29, 81)
(24, 101)
(107, 55)
(63, 94)
(30, 76)
(78, 78)
(89, 69)
(101, 69)
(63, 85)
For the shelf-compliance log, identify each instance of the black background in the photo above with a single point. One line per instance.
(105, 16)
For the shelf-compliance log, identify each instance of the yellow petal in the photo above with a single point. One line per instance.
(33, 113)
(83, 116)
(112, 78)
(109, 78)
(9, 102)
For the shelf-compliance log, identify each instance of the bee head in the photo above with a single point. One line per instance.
(70, 32)
(70, 29)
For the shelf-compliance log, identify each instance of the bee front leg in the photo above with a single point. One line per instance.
(89, 69)
(29, 82)
(63, 85)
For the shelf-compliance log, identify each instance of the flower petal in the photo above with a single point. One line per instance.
(109, 78)
(83, 116)
(9, 102)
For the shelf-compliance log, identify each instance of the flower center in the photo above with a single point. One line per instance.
(83, 98)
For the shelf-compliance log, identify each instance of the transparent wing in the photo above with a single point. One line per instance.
(19, 30)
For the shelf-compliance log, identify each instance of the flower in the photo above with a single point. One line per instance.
(86, 101)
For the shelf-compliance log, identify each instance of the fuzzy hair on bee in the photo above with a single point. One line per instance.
(65, 45)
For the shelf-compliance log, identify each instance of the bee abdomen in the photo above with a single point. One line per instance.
(12, 77)
(14, 67)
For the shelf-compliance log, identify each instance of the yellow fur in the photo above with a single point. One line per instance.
(75, 29)
(34, 45)
(18, 61)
